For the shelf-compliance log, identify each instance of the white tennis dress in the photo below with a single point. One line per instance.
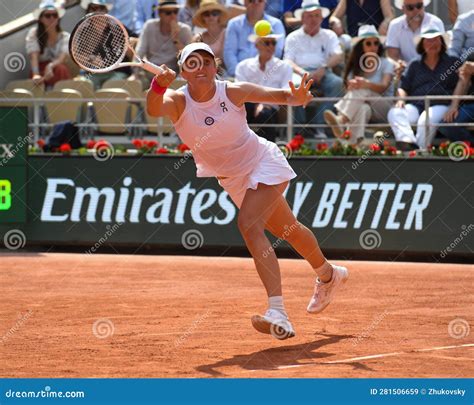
(224, 146)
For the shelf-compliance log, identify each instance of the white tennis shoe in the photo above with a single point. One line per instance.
(324, 292)
(274, 323)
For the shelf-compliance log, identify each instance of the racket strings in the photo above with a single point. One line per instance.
(99, 43)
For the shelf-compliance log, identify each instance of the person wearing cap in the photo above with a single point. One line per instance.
(368, 12)
(212, 16)
(290, 6)
(461, 112)
(98, 79)
(368, 74)
(462, 45)
(237, 46)
(163, 37)
(403, 30)
(47, 45)
(428, 76)
(209, 116)
(315, 50)
(268, 71)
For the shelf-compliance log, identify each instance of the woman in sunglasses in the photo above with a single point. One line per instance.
(47, 45)
(368, 74)
(209, 116)
(212, 16)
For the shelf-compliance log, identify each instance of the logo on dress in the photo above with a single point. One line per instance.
(224, 108)
(209, 121)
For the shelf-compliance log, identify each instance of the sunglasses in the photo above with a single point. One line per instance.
(370, 43)
(213, 13)
(170, 12)
(411, 7)
(50, 15)
(269, 43)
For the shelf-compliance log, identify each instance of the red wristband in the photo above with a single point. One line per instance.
(157, 88)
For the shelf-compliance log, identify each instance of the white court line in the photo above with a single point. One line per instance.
(376, 356)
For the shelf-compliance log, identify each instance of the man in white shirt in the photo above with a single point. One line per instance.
(403, 30)
(266, 70)
(315, 50)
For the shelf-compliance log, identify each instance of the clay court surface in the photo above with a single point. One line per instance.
(171, 316)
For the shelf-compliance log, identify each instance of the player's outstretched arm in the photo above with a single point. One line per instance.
(243, 92)
(162, 105)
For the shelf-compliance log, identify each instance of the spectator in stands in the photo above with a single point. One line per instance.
(145, 10)
(403, 30)
(237, 46)
(345, 41)
(365, 12)
(368, 74)
(186, 13)
(212, 16)
(98, 79)
(314, 50)
(162, 39)
(125, 11)
(290, 6)
(428, 76)
(461, 112)
(268, 71)
(462, 45)
(458, 7)
(47, 45)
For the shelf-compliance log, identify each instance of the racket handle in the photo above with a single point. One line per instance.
(151, 67)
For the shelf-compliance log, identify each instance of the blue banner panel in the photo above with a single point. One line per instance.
(242, 391)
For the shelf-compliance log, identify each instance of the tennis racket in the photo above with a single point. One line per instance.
(99, 43)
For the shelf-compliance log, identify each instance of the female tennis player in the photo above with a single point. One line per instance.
(209, 116)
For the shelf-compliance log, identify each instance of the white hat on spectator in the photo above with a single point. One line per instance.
(399, 3)
(85, 4)
(366, 31)
(49, 5)
(429, 32)
(311, 5)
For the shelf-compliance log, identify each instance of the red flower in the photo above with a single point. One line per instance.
(347, 134)
(90, 144)
(183, 148)
(151, 144)
(386, 143)
(41, 143)
(443, 145)
(102, 144)
(375, 147)
(161, 151)
(391, 150)
(299, 139)
(138, 143)
(412, 153)
(322, 147)
(471, 151)
(65, 148)
(293, 145)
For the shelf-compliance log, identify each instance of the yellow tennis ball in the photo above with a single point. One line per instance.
(262, 28)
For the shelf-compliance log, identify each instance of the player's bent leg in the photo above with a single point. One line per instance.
(283, 224)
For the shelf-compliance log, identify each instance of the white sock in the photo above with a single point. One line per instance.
(276, 303)
(324, 272)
